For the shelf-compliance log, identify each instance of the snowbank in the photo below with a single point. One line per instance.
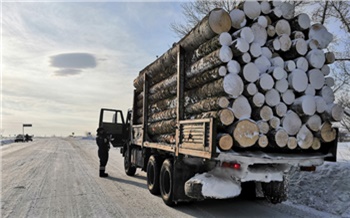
(328, 188)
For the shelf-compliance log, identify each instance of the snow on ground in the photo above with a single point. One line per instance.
(328, 188)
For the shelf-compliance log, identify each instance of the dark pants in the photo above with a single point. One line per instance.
(103, 155)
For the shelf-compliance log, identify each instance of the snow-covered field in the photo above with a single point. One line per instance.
(328, 188)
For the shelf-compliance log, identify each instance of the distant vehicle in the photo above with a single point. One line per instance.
(23, 138)
(19, 138)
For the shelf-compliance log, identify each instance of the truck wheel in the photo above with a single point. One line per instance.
(129, 169)
(166, 182)
(275, 192)
(153, 170)
(248, 191)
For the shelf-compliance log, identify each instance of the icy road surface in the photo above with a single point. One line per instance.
(58, 177)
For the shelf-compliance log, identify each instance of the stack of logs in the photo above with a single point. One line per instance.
(260, 70)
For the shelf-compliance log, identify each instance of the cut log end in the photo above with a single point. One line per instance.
(246, 133)
(225, 142)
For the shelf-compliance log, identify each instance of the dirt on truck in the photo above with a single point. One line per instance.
(232, 107)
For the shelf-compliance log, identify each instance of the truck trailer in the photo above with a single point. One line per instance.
(205, 120)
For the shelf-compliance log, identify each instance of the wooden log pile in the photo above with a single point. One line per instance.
(260, 70)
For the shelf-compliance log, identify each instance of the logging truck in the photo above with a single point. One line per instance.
(232, 107)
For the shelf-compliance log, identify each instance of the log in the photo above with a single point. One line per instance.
(302, 64)
(245, 33)
(233, 67)
(287, 10)
(272, 97)
(298, 80)
(266, 82)
(297, 35)
(277, 62)
(281, 85)
(285, 43)
(233, 85)
(241, 108)
(271, 32)
(224, 142)
(310, 90)
(320, 104)
(305, 105)
(312, 44)
(208, 104)
(251, 9)
(333, 112)
(330, 57)
(204, 78)
(313, 123)
(170, 81)
(222, 71)
(205, 49)
(275, 122)
(298, 48)
(329, 81)
(281, 109)
(265, 113)
(226, 116)
(246, 133)
(305, 138)
(162, 127)
(292, 143)
(250, 89)
(265, 51)
(301, 22)
(316, 78)
(288, 97)
(263, 126)
(316, 144)
(275, 14)
(162, 105)
(326, 70)
(225, 39)
(258, 100)
(163, 115)
(167, 138)
(274, 45)
(263, 141)
(278, 72)
(316, 58)
(327, 94)
(225, 54)
(263, 21)
(239, 46)
(280, 137)
(327, 133)
(289, 66)
(263, 64)
(265, 7)
(321, 34)
(255, 50)
(245, 58)
(250, 72)
(291, 122)
(282, 27)
(260, 34)
(238, 19)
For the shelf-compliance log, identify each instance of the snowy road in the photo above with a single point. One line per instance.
(58, 177)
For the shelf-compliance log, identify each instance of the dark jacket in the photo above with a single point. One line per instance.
(103, 142)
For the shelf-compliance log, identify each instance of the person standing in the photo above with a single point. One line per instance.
(102, 141)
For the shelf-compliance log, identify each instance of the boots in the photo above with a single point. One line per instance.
(103, 174)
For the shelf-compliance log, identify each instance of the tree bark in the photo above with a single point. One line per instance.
(162, 127)
(208, 104)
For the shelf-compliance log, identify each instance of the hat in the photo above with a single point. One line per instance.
(100, 130)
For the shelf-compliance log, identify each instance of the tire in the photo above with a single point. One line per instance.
(166, 181)
(275, 192)
(248, 191)
(129, 169)
(153, 170)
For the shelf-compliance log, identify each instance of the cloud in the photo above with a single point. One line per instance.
(74, 60)
(67, 72)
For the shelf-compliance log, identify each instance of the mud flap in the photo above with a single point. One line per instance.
(182, 173)
(276, 192)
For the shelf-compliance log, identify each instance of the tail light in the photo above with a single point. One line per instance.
(235, 166)
(309, 169)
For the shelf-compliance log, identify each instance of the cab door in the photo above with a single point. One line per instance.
(115, 125)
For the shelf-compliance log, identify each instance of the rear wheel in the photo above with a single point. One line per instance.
(129, 169)
(153, 169)
(166, 182)
(275, 192)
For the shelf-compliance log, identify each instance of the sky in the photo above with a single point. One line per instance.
(63, 61)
